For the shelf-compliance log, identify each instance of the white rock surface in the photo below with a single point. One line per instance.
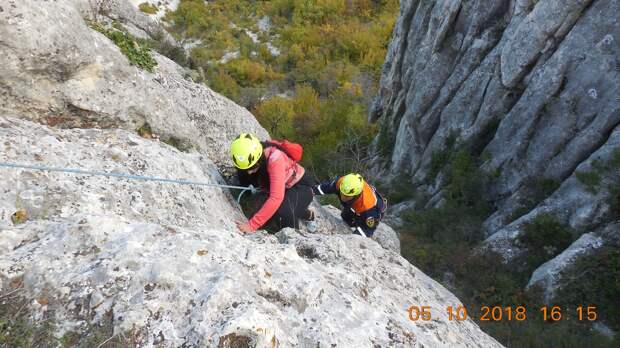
(162, 5)
(264, 24)
(165, 259)
(94, 85)
(44, 195)
(329, 221)
(548, 275)
(228, 56)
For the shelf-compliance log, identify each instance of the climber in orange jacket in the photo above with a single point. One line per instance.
(269, 166)
(363, 206)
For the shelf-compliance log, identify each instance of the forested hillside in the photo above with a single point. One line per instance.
(307, 70)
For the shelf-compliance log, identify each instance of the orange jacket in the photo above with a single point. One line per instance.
(364, 212)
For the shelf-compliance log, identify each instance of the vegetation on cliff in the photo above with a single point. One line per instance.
(307, 69)
(443, 241)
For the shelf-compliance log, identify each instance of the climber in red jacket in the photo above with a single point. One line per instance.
(267, 165)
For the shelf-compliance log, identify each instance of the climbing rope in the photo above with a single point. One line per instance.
(128, 176)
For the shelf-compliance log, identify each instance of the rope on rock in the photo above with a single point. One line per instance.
(128, 176)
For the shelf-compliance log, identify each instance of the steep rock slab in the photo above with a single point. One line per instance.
(57, 71)
(574, 203)
(167, 264)
(197, 287)
(330, 222)
(124, 12)
(548, 275)
(43, 195)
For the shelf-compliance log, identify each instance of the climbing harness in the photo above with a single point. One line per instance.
(129, 176)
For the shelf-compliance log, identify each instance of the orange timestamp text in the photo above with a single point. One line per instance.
(507, 313)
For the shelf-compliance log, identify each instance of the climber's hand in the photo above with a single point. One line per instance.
(244, 227)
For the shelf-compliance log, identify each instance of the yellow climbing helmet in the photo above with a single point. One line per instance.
(246, 150)
(352, 184)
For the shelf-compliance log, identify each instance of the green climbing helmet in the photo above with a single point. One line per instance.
(352, 184)
(246, 150)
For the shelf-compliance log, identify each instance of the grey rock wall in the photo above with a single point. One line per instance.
(530, 88)
(548, 275)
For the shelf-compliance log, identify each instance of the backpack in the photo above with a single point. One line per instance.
(293, 150)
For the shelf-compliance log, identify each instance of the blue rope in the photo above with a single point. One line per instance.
(128, 176)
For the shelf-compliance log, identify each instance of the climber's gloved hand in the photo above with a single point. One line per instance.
(244, 227)
(316, 190)
(358, 231)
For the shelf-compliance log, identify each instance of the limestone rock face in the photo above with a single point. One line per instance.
(529, 88)
(164, 263)
(44, 195)
(56, 70)
(161, 5)
(124, 12)
(167, 260)
(548, 274)
(329, 221)
(573, 203)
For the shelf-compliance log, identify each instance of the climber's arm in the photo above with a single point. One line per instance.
(326, 187)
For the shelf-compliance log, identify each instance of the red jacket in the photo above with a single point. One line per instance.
(283, 174)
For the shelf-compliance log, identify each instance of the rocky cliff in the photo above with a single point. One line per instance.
(530, 90)
(88, 260)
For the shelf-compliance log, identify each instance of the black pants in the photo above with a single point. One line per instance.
(295, 204)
